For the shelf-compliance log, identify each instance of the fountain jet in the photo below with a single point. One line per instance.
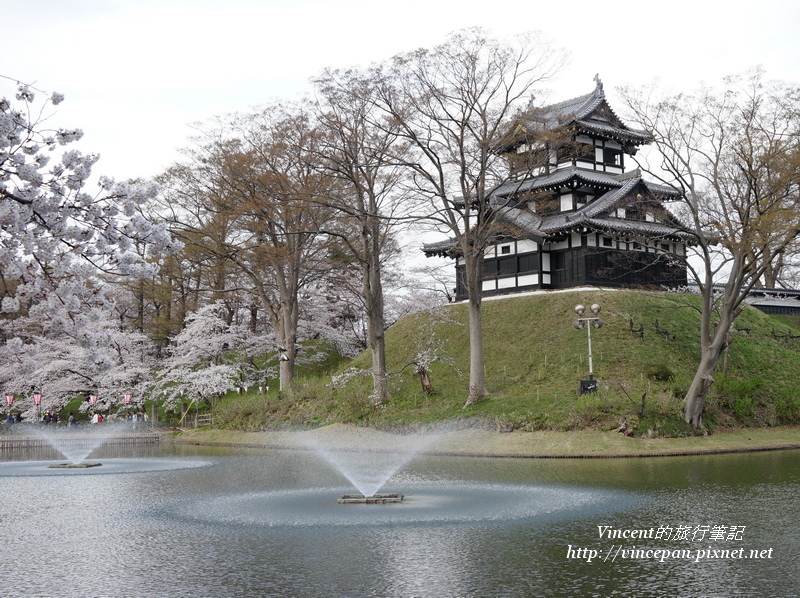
(76, 444)
(375, 461)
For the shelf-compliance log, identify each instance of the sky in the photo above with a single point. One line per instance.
(138, 73)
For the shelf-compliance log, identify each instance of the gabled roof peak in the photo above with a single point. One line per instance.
(590, 113)
(599, 86)
(574, 108)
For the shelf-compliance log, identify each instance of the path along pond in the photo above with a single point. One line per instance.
(206, 521)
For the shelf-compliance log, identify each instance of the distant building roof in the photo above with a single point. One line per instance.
(520, 204)
(596, 214)
(589, 113)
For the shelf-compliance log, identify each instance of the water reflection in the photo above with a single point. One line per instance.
(425, 503)
(265, 523)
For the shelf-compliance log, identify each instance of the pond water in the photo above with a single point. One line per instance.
(199, 521)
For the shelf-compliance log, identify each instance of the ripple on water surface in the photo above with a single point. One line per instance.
(429, 502)
(108, 466)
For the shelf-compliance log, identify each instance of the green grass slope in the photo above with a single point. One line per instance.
(535, 359)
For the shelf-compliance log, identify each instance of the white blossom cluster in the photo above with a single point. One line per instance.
(334, 317)
(51, 228)
(52, 352)
(60, 335)
(206, 358)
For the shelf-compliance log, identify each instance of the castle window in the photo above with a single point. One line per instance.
(505, 249)
(507, 265)
(612, 157)
(608, 242)
(528, 262)
(584, 152)
(608, 153)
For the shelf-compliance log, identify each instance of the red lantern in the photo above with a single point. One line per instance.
(93, 399)
(37, 398)
(10, 399)
(127, 398)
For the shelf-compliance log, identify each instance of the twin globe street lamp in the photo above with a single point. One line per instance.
(589, 385)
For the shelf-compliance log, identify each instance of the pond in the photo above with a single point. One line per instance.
(200, 521)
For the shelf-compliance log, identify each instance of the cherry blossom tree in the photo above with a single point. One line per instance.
(331, 310)
(59, 245)
(62, 354)
(200, 365)
(55, 234)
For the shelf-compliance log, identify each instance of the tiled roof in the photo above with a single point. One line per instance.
(591, 177)
(595, 214)
(581, 112)
(662, 192)
(575, 108)
(620, 225)
(614, 132)
(525, 222)
(607, 200)
(446, 248)
(556, 179)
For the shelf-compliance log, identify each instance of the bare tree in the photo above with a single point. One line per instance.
(452, 105)
(357, 151)
(734, 156)
(256, 191)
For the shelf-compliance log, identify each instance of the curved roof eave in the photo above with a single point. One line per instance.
(557, 179)
(637, 227)
(446, 248)
(633, 136)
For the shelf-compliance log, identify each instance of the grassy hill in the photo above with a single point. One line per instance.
(534, 360)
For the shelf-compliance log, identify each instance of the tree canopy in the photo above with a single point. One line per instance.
(734, 154)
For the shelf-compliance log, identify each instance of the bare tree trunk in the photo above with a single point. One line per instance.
(253, 326)
(477, 380)
(695, 399)
(712, 348)
(425, 380)
(373, 295)
(287, 337)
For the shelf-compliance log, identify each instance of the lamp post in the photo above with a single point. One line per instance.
(9, 401)
(589, 385)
